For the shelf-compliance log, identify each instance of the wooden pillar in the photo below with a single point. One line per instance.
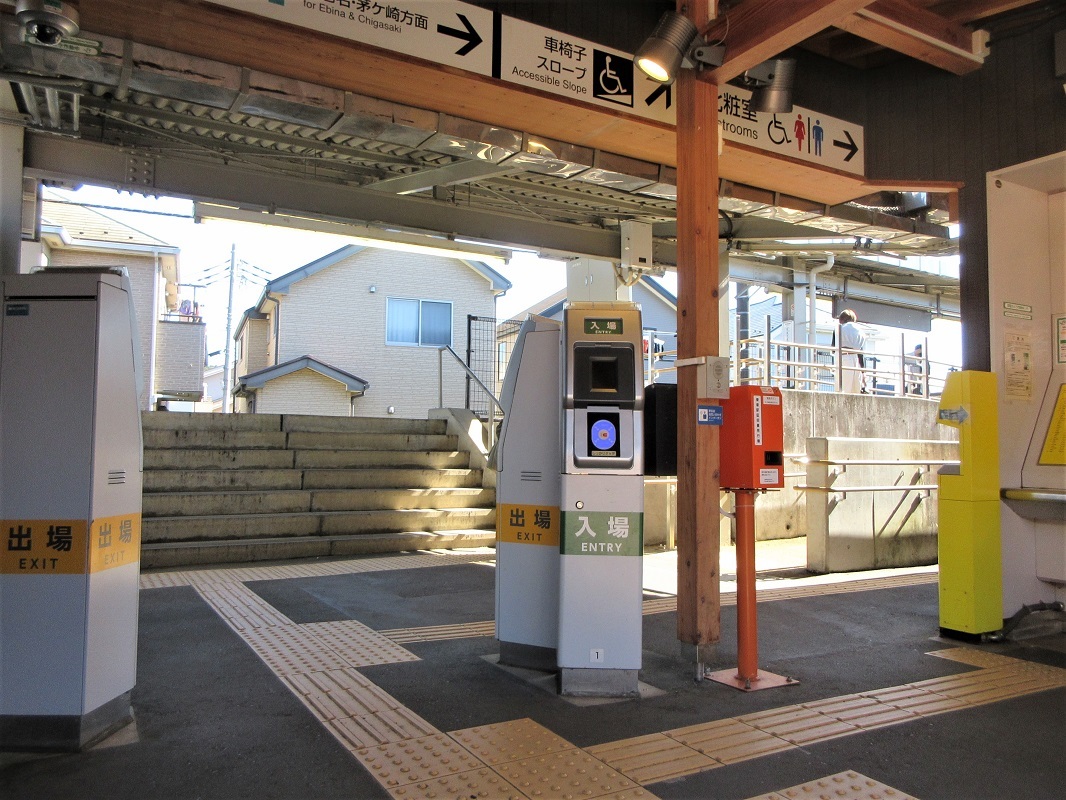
(698, 595)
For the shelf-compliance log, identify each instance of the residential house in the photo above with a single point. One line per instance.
(358, 333)
(658, 307)
(172, 334)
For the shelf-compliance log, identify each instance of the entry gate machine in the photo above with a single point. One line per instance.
(582, 602)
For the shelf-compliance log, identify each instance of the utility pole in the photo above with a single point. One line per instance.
(227, 377)
(234, 271)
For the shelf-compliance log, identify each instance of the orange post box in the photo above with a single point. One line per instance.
(752, 439)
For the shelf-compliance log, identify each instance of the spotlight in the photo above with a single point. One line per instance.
(772, 81)
(675, 43)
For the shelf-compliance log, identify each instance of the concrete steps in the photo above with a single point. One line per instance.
(246, 487)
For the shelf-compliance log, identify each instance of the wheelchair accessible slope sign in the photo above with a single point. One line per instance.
(496, 46)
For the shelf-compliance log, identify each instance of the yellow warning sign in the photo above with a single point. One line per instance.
(527, 524)
(1054, 449)
(42, 547)
(114, 542)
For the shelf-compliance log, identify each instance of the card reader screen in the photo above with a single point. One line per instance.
(603, 434)
(603, 374)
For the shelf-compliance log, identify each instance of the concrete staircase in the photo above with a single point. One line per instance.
(222, 488)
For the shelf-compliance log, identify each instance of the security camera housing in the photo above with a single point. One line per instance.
(47, 22)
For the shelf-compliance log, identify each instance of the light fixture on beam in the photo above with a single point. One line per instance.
(675, 44)
(771, 84)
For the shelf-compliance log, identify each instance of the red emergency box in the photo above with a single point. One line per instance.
(752, 439)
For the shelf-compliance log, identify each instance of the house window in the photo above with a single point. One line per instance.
(418, 322)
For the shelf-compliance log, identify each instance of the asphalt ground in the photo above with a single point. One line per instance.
(213, 720)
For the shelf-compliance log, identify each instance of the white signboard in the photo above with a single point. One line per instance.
(444, 32)
(801, 133)
(541, 58)
(462, 35)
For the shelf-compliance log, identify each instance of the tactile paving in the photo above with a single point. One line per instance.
(652, 758)
(842, 786)
(414, 760)
(163, 580)
(729, 740)
(478, 784)
(439, 633)
(241, 607)
(565, 774)
(975, 658)
(357, 644)
(288, 649)
(385, 727)
(510, 741)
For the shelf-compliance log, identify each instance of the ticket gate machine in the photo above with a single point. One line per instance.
(70, 507)
(526, 460)
(570, 499)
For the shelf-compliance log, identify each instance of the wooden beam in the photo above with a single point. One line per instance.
(698, 591)
(760, 29)
(230, 37)
(909, 29)
(964, 11)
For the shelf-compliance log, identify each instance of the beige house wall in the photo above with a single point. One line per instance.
(303, 392)
(334, 317)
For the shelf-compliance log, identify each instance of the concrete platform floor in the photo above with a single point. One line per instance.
(375, 678)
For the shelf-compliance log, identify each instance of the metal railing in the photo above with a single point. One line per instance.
(820, 368)
(926, 463)
(498, 414)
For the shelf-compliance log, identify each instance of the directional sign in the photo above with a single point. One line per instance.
(462, 35)
(541, 58)
(445, 32)
(800, 133)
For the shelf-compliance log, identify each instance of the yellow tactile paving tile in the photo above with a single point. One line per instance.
(973, 657)
(357, 644)
(163, 580)
(480, 784)
(439, 633)
(502, 742)
(729, 740)
(799, 725)
(241, 607)
(564, 774)
(414, 760)
(842, 786)
(288, 649)
(652, 758)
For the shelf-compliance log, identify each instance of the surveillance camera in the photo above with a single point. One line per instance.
(47, 21)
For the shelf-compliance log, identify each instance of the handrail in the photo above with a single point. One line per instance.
(469, 372)
(906, 487)
(878, 463)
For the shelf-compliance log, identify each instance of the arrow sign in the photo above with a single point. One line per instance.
(659, 91)
(848, 145)
(470, 35)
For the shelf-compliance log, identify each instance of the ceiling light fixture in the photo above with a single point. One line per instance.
(675, 43)
(771, 84)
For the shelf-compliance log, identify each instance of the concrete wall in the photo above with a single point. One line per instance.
(782, 515)
(871, 527)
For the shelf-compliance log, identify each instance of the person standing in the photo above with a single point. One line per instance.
(915, 368)
(852, 341)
